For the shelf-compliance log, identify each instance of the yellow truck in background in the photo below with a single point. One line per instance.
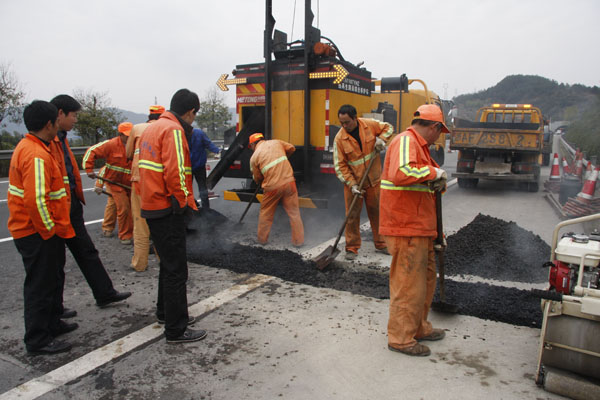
(506, 143)
(294, 96)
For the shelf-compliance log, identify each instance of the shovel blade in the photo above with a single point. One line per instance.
(326, 257)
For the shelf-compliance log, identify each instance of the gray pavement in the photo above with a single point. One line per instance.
(278, 340)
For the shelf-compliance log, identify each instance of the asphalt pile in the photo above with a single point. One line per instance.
(492, 248)
(208, 244)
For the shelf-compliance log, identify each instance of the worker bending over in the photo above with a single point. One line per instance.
(167, 198)
(359, 140)
(408, 224)
(38, 221)
(141, 233)
(118, 176)
(271, 168)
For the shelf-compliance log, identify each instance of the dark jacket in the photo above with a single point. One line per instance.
(198, 146)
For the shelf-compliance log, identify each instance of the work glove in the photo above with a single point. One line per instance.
(356, 190)
(175, 206)
(98, 190)
(379, 144)
(438, 184)
(92, 175)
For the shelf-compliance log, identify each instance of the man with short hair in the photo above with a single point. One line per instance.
(81, 246)
(354, 146)
(410, 181)
(39, 222)
(272, 169)
(141, 232)
(117, 174)
(167, 198)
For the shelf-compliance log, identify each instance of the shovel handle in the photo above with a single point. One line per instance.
(249, 204)
(115, 183)
(360, 186)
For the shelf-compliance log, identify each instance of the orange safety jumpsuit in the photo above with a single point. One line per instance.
(57, 151)
(118, 169)
(141, 233)
(37, 199)
(408, 224)
(350, 165)
(110, 210)
(270, 165)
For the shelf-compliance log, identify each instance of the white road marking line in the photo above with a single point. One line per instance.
(84, 364)
(87, 223)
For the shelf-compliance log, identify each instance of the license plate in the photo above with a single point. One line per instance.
(495, 139)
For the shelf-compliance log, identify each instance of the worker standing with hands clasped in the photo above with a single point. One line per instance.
(271, 168)
(353, 148)
(118, 169)
(38, 205)
(167, 196)
(408, 224)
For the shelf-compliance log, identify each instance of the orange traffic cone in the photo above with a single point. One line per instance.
(555, 171)
(587, 193)
(566, 168)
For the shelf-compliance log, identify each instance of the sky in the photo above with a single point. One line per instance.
(139, 51)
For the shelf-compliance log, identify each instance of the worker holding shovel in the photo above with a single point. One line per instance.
(410, 181)
(358, 140)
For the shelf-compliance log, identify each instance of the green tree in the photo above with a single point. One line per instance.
(213, 116)
(11, 95)
(8, 141)
(97, 120)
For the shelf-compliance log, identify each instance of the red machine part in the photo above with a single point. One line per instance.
(560, 277)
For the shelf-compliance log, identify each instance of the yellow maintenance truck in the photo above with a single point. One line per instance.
(294, 95)
(506, 143)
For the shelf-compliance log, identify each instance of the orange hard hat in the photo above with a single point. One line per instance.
(431, 112)
(157, 109)
(125, 128)
(255, 137)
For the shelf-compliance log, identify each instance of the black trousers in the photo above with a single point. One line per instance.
(168, 235)
(200, 176)
(41, 291)
(87, 257)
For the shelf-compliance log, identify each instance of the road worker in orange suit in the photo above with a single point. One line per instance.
(141, 232)
(110, 210)
(409, 183)
(354, 146)
(271, 168)
(39, 222)
(167, 200)
(118, 169)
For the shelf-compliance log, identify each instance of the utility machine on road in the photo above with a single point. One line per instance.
(294, 96)
(506, 143)
(569, 349)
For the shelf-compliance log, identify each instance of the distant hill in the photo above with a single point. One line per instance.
(557, 101)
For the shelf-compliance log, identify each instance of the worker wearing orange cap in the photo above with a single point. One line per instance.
(409, 183)
(141, 232)
(118, 176)
(358, 140)
(271, 168)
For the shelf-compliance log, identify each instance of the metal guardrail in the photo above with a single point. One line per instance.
(77, 151)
